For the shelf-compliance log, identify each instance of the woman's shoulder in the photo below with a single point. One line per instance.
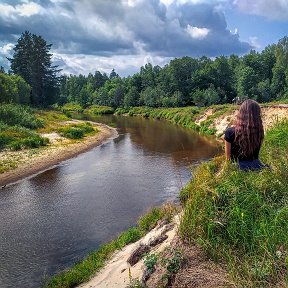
(230, 129)
(229, 134)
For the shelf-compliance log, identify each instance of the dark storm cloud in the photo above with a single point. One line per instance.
(109, 27)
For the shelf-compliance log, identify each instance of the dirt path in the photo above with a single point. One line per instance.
(31, 161)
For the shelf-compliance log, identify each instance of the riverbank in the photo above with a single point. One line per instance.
(211, 120)
(27, 162)
(225, 218)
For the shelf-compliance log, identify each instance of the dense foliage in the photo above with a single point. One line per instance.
(187, 81)
(32, 61)
(12, 114)
(184, 81)
(14, 89)
(242, 217)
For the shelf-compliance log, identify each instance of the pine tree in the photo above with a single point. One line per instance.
(32, 61)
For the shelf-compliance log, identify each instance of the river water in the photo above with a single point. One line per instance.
(53, 219)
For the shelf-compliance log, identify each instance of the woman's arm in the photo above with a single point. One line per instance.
(227, 150)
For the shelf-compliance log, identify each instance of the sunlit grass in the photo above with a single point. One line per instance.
(242, 217)
(99, 110)
(184, 116)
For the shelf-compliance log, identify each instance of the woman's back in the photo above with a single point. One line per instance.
(244, 140)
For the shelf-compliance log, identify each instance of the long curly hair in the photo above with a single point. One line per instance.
(249, 132)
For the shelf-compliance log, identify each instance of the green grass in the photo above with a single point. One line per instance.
(241, 218)
(17, 138)
(77, 131)
(82, 271)
(51, 119)
(7, 164)
(99, 110)
(72, 107)
(184, 116)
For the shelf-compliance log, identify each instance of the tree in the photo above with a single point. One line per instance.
(113, 74)
(32, 61)
(246, 80)
(131, 98)
(13, 89)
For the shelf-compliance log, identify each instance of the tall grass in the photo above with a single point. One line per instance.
(242, 217)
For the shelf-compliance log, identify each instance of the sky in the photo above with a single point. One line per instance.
(90, 35)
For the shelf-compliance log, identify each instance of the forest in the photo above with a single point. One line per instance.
(186, 81)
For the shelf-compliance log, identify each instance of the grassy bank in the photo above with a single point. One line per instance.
(184, 116)
(22, 128)
(82, 271)
(71, 108)
(18, 126)
(241, 218)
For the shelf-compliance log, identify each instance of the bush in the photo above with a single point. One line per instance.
(16, 138)
(99, 110)
(13, 114)
(76, 131)
(72, 132)
(72, 107)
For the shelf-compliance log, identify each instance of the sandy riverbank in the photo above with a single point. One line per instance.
(32, 161)
(202, 272)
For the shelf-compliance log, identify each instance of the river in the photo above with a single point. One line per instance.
(55, 218)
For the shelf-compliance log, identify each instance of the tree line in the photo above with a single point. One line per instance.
(262, 76)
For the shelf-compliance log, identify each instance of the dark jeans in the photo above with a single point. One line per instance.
(252, 165)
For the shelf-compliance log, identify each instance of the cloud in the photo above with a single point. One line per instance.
(253, 41)
(197, 33)
(123, 28)
(6, 49)
(276, 9)
(124, 64)
(25, 10)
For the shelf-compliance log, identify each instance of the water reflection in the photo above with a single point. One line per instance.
(54, 219)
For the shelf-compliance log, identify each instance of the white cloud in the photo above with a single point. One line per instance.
(123, 64)
(181, 2)
(132, 3)
(6, 49)
(276, 9)
(28, 9)
(253, 41)
(124, 34)
(196, 32)
(25, 10)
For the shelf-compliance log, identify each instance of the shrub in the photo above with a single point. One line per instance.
(14, 114)
(99, 110)
(72, 132)
(76, 131)
(16, 138)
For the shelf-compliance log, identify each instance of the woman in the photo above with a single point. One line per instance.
(244, 140)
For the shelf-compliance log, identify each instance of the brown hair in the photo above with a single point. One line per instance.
(249, 132)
